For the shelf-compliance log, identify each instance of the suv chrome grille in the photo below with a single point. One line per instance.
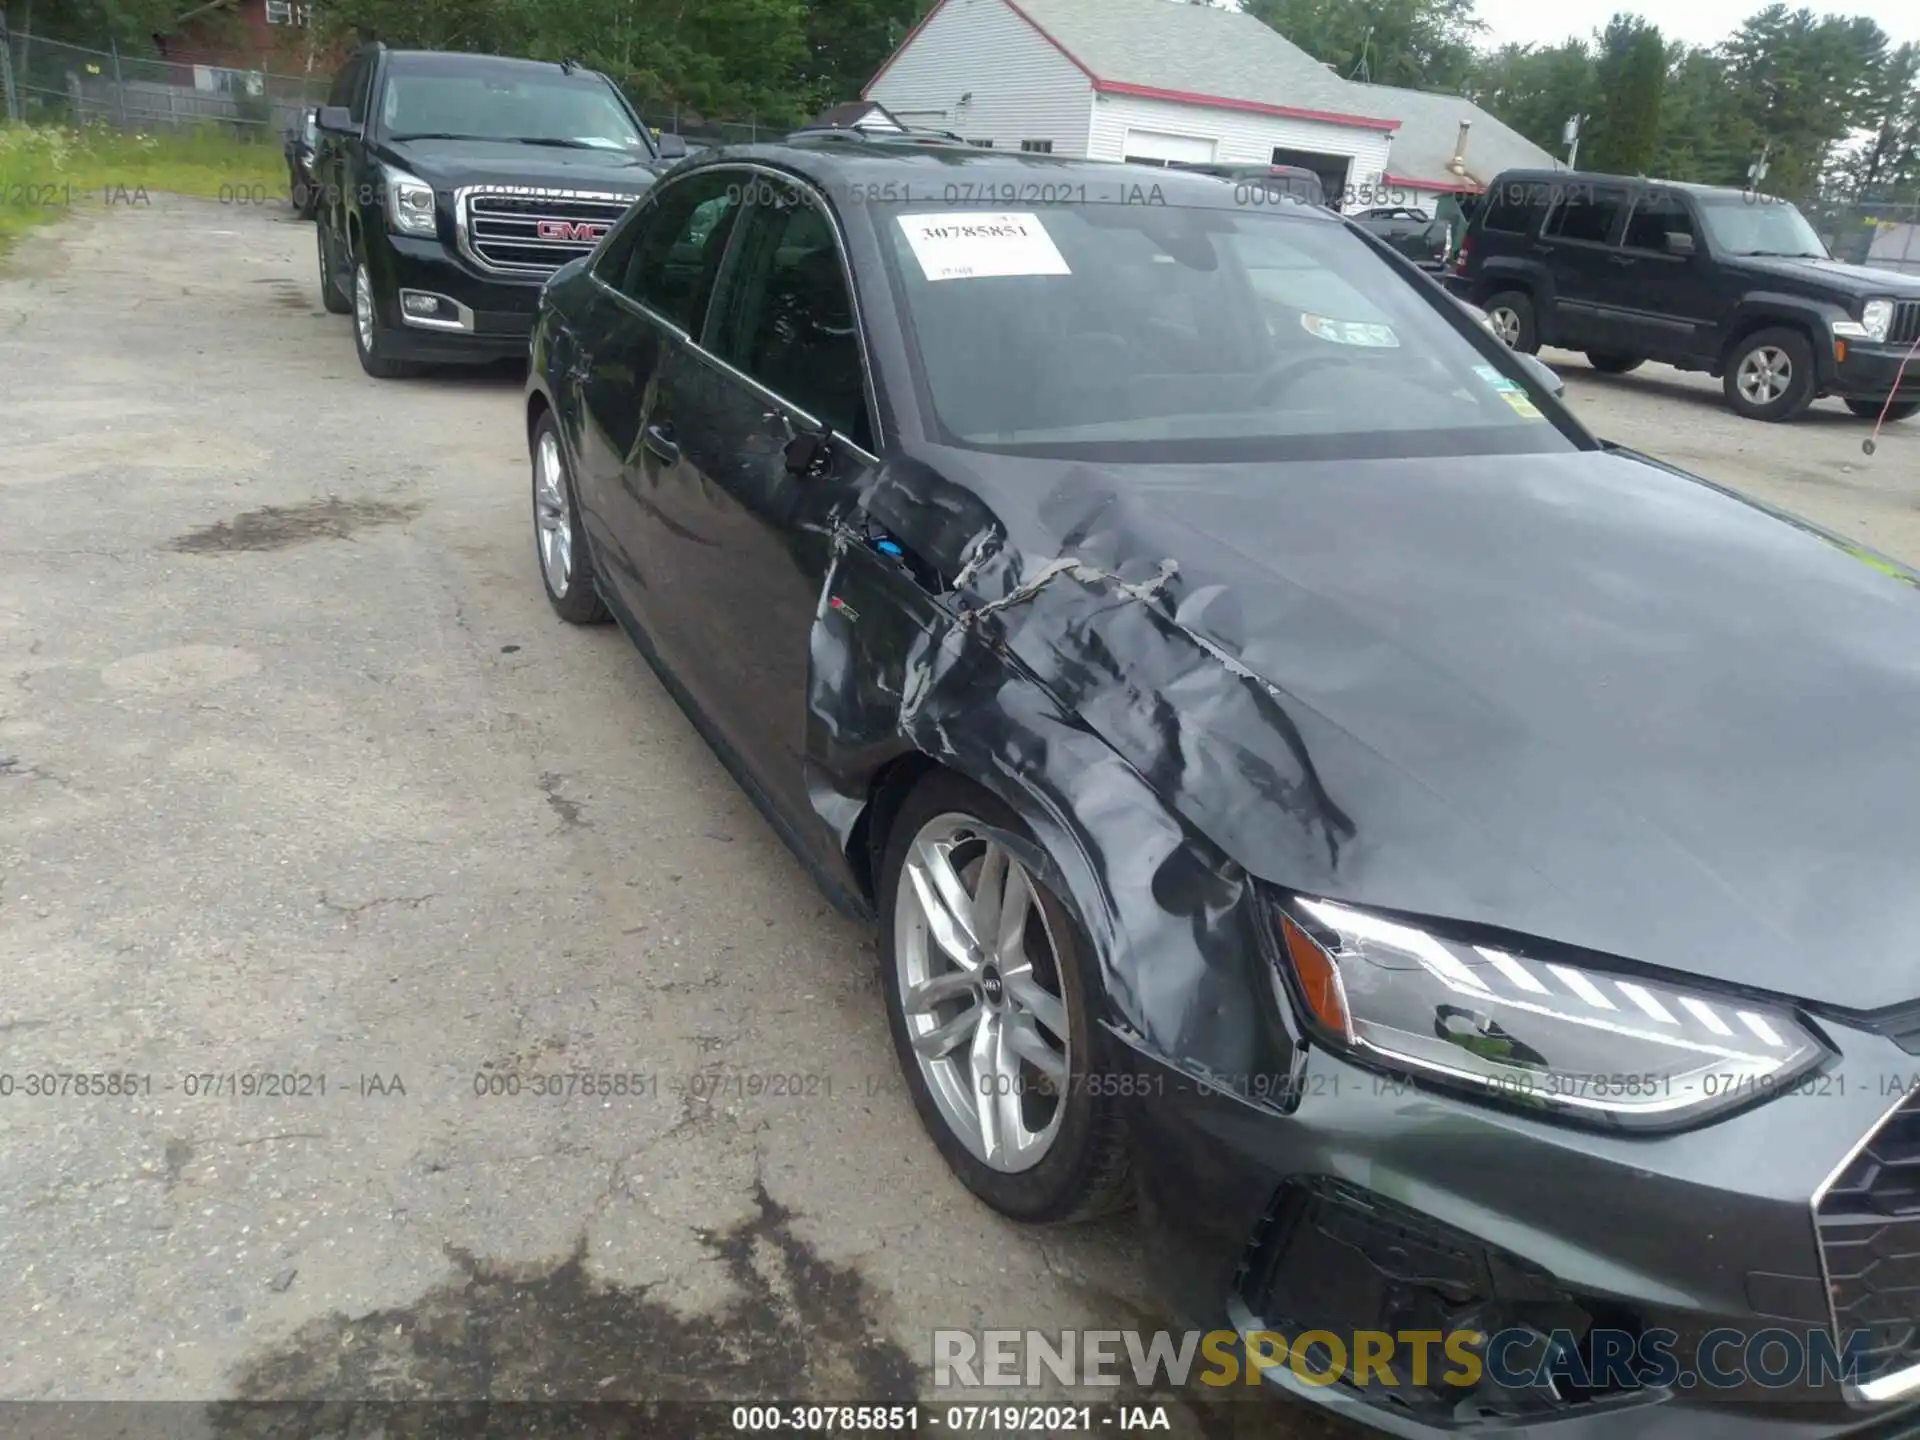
(1869, 1225)
(1906, 323)
(514, 230)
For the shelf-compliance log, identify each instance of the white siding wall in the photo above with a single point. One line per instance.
(1242, 137)
(1023, 88)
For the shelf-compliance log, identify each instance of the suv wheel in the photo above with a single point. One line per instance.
(1511, 315)
(566, 567)
(333, 294)
(369, 335)
(1609, 363)
(1870, 409)
(990, 998)
(1770, 376)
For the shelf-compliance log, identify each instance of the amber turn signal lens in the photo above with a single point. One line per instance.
(1840, 351)
(1319, 978)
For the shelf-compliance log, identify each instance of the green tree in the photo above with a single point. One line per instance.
(1801, 83)
(1886, 163)
(719, 57)
(847, 41)
(1537, 89)
(1704, 136)
(1630, 77)
(1422, 44)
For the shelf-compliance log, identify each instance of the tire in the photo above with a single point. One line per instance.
(333, 294)
(1870, 409)
(1511, 312)
(557, 530)
(1786, 359)
(305, 196)
(1608, 363)
(1075, 1164)
(370, 341)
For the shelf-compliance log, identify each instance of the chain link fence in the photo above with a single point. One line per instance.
(51, 82)
(1885, 235)
(57, 83)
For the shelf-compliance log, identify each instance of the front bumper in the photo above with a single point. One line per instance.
(492, 315)
(1382, 1209)
(1869, 371)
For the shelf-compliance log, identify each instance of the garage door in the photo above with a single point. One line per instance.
(1158, 148)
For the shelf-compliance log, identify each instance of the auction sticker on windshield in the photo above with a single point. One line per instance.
(953, 246)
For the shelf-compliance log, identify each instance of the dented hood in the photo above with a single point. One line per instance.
(1573, 695)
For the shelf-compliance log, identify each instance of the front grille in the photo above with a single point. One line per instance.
(1869, 1226)
(1906, 323)
(530, 232)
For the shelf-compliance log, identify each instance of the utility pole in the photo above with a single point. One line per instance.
(1570, 137)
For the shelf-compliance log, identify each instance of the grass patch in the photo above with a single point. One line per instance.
(47, 171)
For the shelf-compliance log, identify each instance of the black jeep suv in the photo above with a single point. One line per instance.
(1727, 281)
(450, 186)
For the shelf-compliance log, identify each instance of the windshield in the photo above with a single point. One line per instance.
(1163, 333)
(1759, 225)
(538, 106)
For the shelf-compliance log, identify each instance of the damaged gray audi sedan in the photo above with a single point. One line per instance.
(1458, 878)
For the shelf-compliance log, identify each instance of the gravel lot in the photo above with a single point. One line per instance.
(300, 777)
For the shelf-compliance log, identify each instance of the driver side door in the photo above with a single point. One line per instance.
(752, 538)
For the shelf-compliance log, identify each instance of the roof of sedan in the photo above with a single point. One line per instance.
(987, 177)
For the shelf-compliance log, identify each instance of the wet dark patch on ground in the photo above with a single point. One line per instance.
(279, 526)
(798, 1325)
(567, 810)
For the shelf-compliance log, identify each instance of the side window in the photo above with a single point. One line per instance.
(667, 257)
(1514, 206)
(1659, 214)
(1586, 213)
(787, 315)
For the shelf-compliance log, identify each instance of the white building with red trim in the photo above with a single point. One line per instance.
(1166, 81)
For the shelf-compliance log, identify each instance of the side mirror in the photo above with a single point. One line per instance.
(1679, 243)
(807, 453)
(1548, 377)
(672, 147)
(335, 120)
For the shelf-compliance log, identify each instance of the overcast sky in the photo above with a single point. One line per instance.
(1700, 22)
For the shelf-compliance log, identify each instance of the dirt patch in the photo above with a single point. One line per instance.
(798, 1324)
(277, 527)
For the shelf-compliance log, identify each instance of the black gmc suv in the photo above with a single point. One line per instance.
(449, 187)
(1730, 282)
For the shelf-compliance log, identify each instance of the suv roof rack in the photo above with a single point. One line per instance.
(879, 135)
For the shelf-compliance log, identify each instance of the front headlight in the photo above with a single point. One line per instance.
(1545, 1035)
(409, 203)
(1876, 316)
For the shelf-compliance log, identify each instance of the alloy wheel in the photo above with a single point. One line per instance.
(1506, 325)
(363, 307)
(979, 981)
(1765, 375)
(553, 514)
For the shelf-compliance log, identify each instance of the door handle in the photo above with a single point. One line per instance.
(659, 439)
(1622, 260)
